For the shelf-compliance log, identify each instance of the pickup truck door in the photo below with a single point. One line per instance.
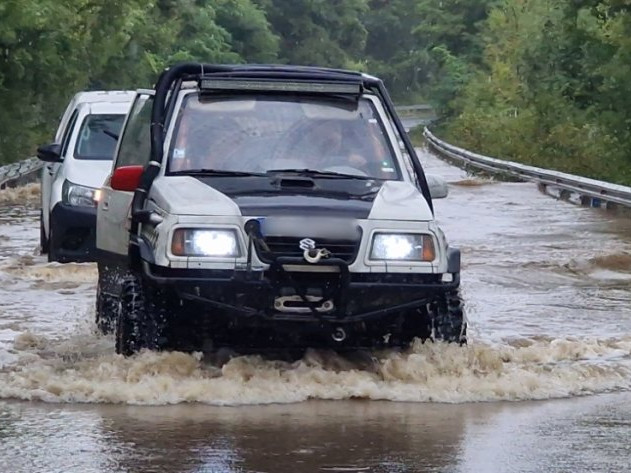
(50, 172)
(134, 147)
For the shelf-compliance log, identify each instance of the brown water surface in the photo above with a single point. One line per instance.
(542, 386)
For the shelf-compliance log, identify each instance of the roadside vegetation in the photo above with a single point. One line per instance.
(553, 88)
(538, 81)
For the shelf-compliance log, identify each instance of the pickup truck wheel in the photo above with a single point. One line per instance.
(140, 318)
(43, 241)
(52, 253)
(448, 319)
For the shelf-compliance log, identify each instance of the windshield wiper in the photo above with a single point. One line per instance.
(214, 173)
(110, 133)
(317, 173)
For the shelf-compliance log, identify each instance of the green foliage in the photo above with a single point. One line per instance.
(250, 33)
(318, 32)
(425, 47)
(555, 88)
(49, 50)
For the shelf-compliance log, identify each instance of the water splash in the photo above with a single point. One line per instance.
(614, 262)
(29, 268)
(472, 182)
(85, 369)
(29, 193)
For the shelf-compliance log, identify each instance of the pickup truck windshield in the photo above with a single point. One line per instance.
(256, 134)
(98, 136)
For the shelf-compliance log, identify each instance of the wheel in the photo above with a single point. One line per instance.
(52, 251)
(448, 319)
(106, 306)
(141, 317)
(43, 241)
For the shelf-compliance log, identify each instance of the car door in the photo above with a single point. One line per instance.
(134, 148)
(50, 172)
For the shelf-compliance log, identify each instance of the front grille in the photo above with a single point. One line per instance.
(290, 246)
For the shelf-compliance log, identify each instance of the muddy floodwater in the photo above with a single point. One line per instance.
(542, 386)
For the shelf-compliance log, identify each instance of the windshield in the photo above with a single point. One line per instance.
(256, 134)
(98, 136)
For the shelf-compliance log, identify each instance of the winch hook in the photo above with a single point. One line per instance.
(315, 255)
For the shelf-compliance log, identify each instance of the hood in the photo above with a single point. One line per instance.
(303, 205)
(87, 172)
(399, 200)
(186, 195)
(265, 196)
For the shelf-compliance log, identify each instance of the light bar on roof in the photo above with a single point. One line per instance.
(281, 86)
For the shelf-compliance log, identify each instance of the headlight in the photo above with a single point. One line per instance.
(202, 242)
(77, 196)
(402, 247)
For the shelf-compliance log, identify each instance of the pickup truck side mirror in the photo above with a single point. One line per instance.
(51, 153)
(437, 186)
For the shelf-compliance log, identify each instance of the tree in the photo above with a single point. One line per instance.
(318, 32)
(250, 33)
(48, 51)
(555, 87)
(425, 47)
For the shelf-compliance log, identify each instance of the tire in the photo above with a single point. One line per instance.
(43, 241)
(106, 311)
(141, 317)
(448, 319)
(52, 252)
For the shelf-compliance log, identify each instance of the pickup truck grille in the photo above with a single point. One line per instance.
(290, 246)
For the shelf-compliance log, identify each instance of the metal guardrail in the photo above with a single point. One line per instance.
(422, 112)
(586, 191)
(413, 116)
(20, 173)
(414, 108)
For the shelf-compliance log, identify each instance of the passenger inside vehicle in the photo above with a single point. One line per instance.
(203, 141)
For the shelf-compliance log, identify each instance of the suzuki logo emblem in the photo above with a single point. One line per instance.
(307, 244)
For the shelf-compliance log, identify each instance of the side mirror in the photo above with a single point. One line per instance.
(50, 153)
(437, 186)
(126, 178)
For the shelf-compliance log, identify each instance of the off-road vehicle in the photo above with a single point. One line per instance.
(271, 207)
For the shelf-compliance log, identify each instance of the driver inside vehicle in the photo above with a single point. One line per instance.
(345, 146)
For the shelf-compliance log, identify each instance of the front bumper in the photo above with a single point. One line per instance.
(73, 233)
(354, 297)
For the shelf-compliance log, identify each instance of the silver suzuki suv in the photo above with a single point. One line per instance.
(265, 207)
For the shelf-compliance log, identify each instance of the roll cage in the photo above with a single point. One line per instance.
(282, 79)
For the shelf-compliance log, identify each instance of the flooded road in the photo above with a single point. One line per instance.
(548, 291)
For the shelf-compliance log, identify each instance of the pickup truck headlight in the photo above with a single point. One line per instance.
(205, 242)
(402, 247)
(77, 196)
